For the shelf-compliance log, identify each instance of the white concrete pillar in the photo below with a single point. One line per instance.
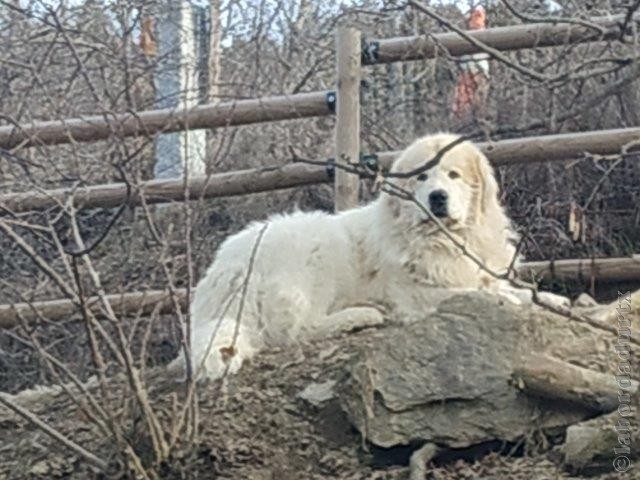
(177, 86)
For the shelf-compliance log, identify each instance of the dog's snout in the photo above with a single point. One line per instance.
(438, 197)
(438, 203)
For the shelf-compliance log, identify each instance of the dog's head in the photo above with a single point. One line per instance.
(459, 189)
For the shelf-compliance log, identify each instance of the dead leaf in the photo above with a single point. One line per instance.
(227, 353)
(147, 38)
(576, 222)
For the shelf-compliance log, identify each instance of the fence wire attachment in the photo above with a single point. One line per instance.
(331, 99)
(370, 162)
(331, 169)
(370, 52)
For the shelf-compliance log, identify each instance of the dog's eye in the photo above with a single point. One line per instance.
(453, 174)
(422, 177)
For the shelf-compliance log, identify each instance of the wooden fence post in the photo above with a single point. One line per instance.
(349, 65)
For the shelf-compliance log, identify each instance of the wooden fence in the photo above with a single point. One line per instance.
(120, 125)
(241, 182)
(242, 112)
(352, 55)
(509, 38)
(160, 301)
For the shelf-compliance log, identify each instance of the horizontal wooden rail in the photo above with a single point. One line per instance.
(602, 269)
(504, 152)
(240, 182)
(562, 146)
(547, 148)
(143, 303)
(516, 37)
(100, 127)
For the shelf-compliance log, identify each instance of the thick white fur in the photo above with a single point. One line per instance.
(314, 273)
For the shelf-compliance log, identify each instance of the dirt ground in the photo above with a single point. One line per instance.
(260, 428)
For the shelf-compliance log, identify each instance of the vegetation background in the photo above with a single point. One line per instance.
(63, 59)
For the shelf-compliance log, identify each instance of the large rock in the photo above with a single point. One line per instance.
(448, 378)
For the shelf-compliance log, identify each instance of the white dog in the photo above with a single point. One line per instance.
(307, 275)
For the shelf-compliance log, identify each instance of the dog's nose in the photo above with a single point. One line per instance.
(438, 198)
(438, 203)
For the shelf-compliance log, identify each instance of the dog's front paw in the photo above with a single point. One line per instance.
(510, 298)
(354, 318)
(553, 300)
(517, 296)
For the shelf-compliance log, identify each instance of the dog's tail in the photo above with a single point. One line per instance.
(220, 340)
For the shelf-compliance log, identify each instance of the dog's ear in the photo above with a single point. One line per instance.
(487, 184)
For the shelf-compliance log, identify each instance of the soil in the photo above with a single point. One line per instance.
(258, 427)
